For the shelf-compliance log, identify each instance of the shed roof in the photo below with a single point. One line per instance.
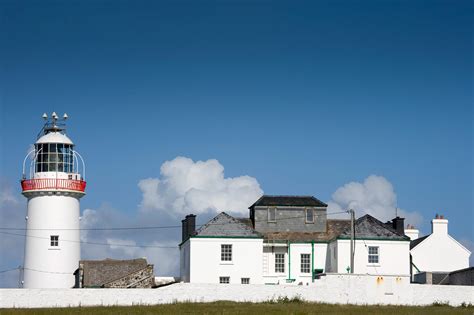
(292, 201)
(226, 226)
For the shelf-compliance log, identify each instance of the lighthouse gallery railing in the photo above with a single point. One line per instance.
(53, 183)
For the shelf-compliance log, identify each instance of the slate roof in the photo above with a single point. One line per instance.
(226, 225)
(418, 241)
(292, 201)
(369, 227)
(365, 227)
(334, 228)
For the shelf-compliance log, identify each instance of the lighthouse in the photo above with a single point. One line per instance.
(53, 181)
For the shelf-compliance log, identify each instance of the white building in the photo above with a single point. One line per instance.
(222, 251)
(438, 251)
(379, 249)
(288, 239)
(53, 187)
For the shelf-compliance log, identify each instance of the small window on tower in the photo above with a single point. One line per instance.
(309, 215)
(54, 240)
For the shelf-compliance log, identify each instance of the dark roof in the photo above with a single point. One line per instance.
(334, 228)
(369, 227)
(292, 201)
(418, 241)
(226, 225)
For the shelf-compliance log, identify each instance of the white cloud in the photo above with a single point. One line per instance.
(184, 186)
(374, 196)
(198, 187)
(120, 244)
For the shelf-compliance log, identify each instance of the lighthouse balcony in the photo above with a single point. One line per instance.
(48, 184)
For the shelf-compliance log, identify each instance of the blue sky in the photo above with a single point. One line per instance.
(304, 96)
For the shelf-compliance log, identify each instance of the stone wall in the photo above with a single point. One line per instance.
(290, 219)
(143, 278)
(336, 288)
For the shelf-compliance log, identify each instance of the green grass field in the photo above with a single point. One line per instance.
(248, 308)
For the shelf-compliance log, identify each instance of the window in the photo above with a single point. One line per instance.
(309, 215)
(373, 254)
(224, 279)
(54, 240)
(54, 157)
(271, 214)
(279, 263)
(226, 252)
(245, 280)
(305, 263)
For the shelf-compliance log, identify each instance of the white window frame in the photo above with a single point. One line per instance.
(280, 263)
(54, 240)
(373, 255)
(306, 215)
(245, 280)
(305, 264)
(269, 210)
(224, 280)
(226, 253)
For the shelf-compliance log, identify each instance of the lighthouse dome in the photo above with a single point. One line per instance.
(54, 137)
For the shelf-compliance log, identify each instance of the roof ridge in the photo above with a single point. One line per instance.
(306, 196)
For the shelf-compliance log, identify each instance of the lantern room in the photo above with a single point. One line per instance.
(53, 163)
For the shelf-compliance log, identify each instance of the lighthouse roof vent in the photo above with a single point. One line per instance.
(53, 130)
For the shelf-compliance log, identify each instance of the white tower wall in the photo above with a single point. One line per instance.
(49, 266)
(53, 189)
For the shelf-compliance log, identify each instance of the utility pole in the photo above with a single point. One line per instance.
(352, 238)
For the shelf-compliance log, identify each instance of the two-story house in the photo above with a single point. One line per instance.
(289, 239)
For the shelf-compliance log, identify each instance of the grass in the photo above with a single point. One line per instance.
(279, 306)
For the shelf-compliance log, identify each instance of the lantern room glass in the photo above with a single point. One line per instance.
(54, 157)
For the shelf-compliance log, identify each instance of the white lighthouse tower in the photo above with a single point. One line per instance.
(54, 184)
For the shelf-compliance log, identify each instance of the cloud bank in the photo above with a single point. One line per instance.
(374, 196)
(185, 186)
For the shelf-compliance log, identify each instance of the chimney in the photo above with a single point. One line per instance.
(184, 229)
(439, 225)
(190, 225)
(412, 232)
(398, 225)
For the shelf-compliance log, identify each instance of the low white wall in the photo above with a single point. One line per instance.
(337, 288)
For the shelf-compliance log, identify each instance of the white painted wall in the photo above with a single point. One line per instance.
(394, 257)
(340, 289)
(331, 257)
(47, 266)
(296, 249)
(206, 265)
(268, 264)
(440, 252)
(413, 234)
(184, 253)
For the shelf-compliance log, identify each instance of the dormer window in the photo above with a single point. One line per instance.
(272, 214)
(309, 215)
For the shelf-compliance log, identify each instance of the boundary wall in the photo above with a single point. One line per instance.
(333, 289)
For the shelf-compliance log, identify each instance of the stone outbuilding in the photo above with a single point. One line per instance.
(111, 273)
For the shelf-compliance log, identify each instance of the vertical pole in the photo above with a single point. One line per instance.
(312, 261)
(289, 261)
(352, 239)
